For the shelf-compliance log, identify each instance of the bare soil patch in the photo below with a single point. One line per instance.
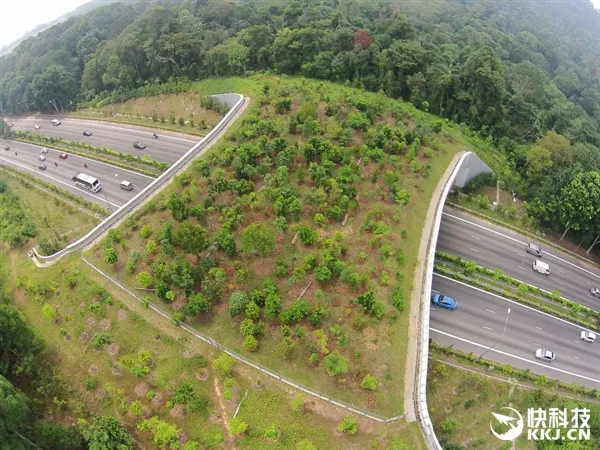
(178, 411)
(202, 374)
(158, 399)
(141, 389)
(90, 322)
(83, 337)
(105, 324)
(113, 349)
(121, 315)
(93, 370)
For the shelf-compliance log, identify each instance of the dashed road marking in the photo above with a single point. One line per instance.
(487, 328)
(432, 308)
(588, 283)
(472, 249)
(538, 328)
(474, 237)
(561, 271)
(489, 310)
(576, 357)
(522, 255)
(536, 344)
(523, 268)
(561, 283)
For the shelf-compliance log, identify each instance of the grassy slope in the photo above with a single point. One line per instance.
(382, 346)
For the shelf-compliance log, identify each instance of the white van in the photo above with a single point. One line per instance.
(541, 267)
(126, 185)
(55, 122)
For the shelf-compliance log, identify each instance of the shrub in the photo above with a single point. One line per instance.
(305, 444)
(272, 306)
(237, 426)
(252, 311)
(258, 239)
(297, 405)
(272, 432)
(300, 332)
(151, 246)
(286, 348)
(144, 279)
(322, 274)
(136, 408)
(238, 302)
(449, 426)
(348, 425)
(90, 383)
(319, 219)
(110, 255)
(248, 328)
(49, 312)
(369, 382)
(224, 365)
(99, 340)
(314, 358)
(145, 232)
(335, 364)
(398, 299)
(298, 310)
(250, 343)
(228, 394)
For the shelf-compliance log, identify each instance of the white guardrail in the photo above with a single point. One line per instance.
(158, 183)
(423, 344)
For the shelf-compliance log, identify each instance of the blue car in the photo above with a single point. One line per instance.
(444, 301)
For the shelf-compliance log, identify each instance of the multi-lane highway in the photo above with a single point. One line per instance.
(478, 323)
(495, 247)
(169, 147)
(25, 157)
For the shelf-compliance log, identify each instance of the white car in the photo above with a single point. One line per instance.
(44, 150)
(587, 336)
(42, 158)
(37, 127)
(545, 355)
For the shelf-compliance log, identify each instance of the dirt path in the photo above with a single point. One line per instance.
(229, 439)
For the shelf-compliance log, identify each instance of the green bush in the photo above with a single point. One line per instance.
(238, 302)
(90, 383)
(258, 239)
(110, 255)
(369, 382)
(144, 279)
(449, 426)
(335, 364)
(136, 408)
(398, 299)
(224, 365)
(99, 340)
(145, 232)
(250, 343)
(237, 426)
(348, 425)
(272, 432)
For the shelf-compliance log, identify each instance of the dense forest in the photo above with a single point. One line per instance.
(522, 74)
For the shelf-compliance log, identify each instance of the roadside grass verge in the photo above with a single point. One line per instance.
(382, 254)
(57, 221)
(461, 403)
(180, 112)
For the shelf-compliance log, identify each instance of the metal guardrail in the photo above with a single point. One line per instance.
(423, 339)
(98, 232)
(347, 406)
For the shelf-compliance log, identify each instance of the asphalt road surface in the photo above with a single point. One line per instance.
(478, 323)
(498, 248)
(169, 147)
(110, 177)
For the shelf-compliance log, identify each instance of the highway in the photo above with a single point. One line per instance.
(169, 147)
(110, 177)
(498, 248)
(479, 321)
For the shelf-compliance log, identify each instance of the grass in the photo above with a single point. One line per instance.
(51, 215)
(380, 348)
(469, 399)
(140, 111)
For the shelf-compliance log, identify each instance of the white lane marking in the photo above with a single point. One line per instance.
(588, 283)
(523, 268)
(93, 123)
(489, 310)
(515, 356)
(39, 173)
(576, 357)
(520, 242)
(435, 292)
(487, 328)
(472, 249)
(474, 237)
(88, 159)
(522, 255)
(538, 328)
(536, 344)
(561, 283)
(432, 308)
(512, 301)
(578, 342)
(561, 271)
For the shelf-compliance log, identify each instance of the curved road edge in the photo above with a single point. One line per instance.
(153, 188)
(415, 384)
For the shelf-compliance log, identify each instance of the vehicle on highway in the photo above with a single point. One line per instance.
(139, 145)
(541, 267)
(63, 156)
(42, 166)
(595, 292)
(37, 127)
(44, 150)
(10, 124)
(7, 148)
(444, 301)
(55, 122)
(87, 133)
(587, 336)
(87, 182)
(127, 185)
(42, 158)
(534, 249)
(545, 355)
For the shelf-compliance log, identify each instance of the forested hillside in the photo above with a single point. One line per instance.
(513, 71)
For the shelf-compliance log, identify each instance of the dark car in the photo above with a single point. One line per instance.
(139, 145)
(87, 133)
(534, 249)
(63, 156)
(42, 167)
(7, 148)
